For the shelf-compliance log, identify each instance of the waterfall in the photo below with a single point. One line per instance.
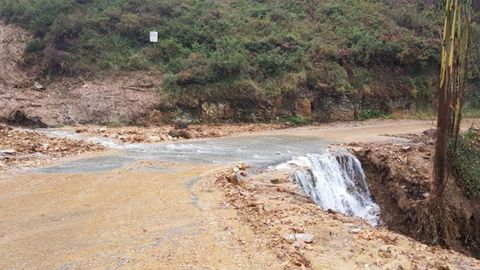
(336, 181)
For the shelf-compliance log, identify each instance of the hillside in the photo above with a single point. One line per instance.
(246, 60)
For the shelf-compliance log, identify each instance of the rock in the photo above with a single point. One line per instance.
(180, 133)
(430, 132)
(356, 230)
(217, 111)
(8, 152)
(102, 129)
(407, 148)
(305, 237)
(289, 238)
(304, 108)
(180, 124)
(38, 86)
(233, 178)
(20, 118)
(356, 149)
(155, 117)
(299, 244)
(278, 180)
(154, 139)
(123, 138)
(299, 238)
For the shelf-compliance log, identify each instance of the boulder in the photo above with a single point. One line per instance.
(304, 108)
(180, 133)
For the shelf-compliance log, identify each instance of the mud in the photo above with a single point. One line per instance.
(168, 206)
(276, 210)
(20, 148)
(400, 178)
(156, 134)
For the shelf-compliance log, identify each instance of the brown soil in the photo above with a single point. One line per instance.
(168, 133)
(117, 98)
(30, 148)
(275, 209)
(400, 179)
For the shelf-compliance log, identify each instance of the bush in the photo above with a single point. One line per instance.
(297, 120)
(207, 44)
(373, 114)
(465, 161)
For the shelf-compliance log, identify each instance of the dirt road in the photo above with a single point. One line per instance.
(156, 215)
(119, 220)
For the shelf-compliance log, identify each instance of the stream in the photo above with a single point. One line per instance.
(335, 181)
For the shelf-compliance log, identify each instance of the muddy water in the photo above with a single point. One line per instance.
(255, 150)
(136, 207)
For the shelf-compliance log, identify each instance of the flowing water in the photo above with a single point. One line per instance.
(333, 180)
(336, 181)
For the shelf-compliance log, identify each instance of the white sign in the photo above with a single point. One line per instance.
(153, 36)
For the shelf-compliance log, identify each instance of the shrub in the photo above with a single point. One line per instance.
(373, 114)
(465, 161)
(297, 120)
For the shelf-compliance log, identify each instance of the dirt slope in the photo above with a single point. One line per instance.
(121, 97)
(275, 209)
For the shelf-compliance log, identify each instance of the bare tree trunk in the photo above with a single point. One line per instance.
(451, 92)
(444, 99)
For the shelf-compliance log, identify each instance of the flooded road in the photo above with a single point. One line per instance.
(135, 207)
(142, 207)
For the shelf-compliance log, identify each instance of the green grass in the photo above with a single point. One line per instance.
(465, 161)
(373, 114)
(297, 120)
(217, 50)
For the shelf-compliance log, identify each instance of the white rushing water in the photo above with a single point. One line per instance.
(336, 181)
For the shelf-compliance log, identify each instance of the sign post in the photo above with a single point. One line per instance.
(154, 36)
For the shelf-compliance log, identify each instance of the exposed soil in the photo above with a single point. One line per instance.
(305, 237)
(30, 148)
(117, 98)
(170, 133)
(400, 179)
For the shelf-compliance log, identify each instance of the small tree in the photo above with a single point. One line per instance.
(455, 48)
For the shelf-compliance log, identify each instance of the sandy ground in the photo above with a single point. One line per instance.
(120, 220)
(174, 218)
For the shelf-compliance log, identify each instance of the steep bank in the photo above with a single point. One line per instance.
(303, 236)
(28, 99)
(237, 61)
(400, 177)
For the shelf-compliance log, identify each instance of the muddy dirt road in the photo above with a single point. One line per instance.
(150, 210)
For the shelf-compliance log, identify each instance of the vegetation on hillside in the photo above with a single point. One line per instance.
(242, 49)
(465, 161)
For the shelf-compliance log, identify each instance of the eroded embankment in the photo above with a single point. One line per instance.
(400, 177)
(304, 236)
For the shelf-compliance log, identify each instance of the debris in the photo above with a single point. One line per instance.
(38, 86)
(26, 147)
(7, 152)
(180, 133)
